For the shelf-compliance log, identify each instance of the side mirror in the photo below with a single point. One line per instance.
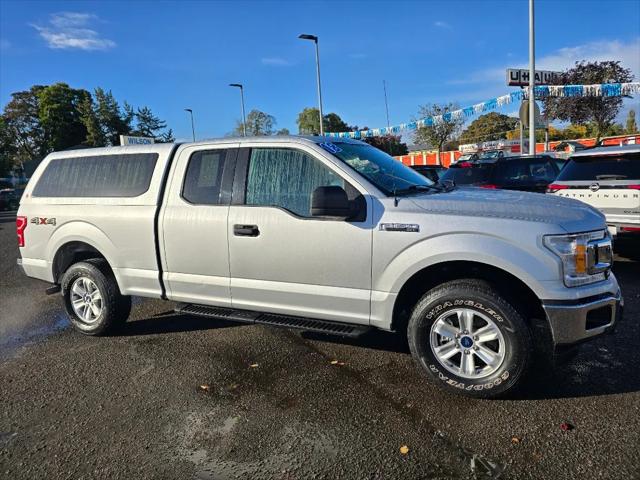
(330, 202)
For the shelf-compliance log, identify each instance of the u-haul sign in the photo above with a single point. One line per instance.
(518, 77)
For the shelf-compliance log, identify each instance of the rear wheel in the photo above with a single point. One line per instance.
(469, 339)
(92, 298)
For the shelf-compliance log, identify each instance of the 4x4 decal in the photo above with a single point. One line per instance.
(43, 221)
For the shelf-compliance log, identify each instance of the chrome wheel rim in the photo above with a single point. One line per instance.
(467, 343)
(86, 300)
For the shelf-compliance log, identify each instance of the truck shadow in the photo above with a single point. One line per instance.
(170, 322)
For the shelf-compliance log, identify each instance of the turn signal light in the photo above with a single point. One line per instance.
(489, 186)
(581, 258)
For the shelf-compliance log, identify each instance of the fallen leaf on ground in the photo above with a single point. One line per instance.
(334, 362)
(254, 365)
(341, 363)
(404, 449)
(565, 427)
(515, 440)
(204, 387)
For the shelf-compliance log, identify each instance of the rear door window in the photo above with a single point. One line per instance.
(603, 167)
(203, 179)
(124, 175)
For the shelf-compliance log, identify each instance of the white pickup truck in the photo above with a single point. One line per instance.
(325, 235)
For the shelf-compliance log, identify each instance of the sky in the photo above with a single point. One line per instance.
(176, 55)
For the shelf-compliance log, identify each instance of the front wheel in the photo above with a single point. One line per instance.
(92, 298)
(469, 339)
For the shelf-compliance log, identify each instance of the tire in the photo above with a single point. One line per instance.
(487, 365)
(94, 313)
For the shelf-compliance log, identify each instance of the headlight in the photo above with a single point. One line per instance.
(586, 257)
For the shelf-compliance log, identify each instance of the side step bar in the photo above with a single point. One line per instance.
(275, 320)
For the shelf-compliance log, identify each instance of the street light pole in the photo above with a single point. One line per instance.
(244, 119)
(193, 128)
(386, 104)
(532, 80)
(315, 40)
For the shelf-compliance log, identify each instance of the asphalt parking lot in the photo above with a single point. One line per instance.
(177, 397)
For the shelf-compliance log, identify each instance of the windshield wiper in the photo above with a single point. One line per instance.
(417, 188)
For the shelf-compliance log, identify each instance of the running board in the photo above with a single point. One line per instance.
(272, 319)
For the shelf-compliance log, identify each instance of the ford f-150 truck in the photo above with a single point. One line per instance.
(328, 235)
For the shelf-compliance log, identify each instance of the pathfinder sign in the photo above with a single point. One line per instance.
(517, 77)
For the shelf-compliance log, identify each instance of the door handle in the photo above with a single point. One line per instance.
(246, 230)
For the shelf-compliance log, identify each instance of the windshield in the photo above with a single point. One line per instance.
(491, 155)
(381, 169)
(623, 166)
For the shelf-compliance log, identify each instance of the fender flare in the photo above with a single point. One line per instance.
(80, 231)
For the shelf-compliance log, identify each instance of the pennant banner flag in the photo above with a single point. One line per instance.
(542, 91)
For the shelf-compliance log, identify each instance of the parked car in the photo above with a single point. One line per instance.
(467, 157)
(570, 146)
(8, 199)
(524, 173)
(607, 178)
(326, 235)
(432, 172)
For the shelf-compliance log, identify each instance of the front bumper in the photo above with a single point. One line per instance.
(577, 321)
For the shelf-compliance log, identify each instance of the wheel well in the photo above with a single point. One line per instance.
(511, 287)
(70, 253)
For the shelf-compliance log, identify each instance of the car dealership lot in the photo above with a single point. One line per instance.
(179, 397)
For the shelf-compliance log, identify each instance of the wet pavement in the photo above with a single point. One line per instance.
(172, 396)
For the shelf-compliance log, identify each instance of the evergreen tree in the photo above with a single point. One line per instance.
(89, 118)
(147, 124)
(631, 126)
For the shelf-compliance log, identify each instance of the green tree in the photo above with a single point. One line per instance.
(258, 124)
(491, 126)
(167, 137)
(333, 123)
(438, 134)
(59, 115)
(631, 126)
(22, 122)
(600, 111)
(89, 118)
(147, 124)
(113, 120)
(7, 148)
(391, 144)
(283, 131)
(309, 122)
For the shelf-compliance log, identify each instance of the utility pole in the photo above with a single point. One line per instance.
(532, 80)
(314, 39)
(193, 129)
(386, 103)
(244, 120)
